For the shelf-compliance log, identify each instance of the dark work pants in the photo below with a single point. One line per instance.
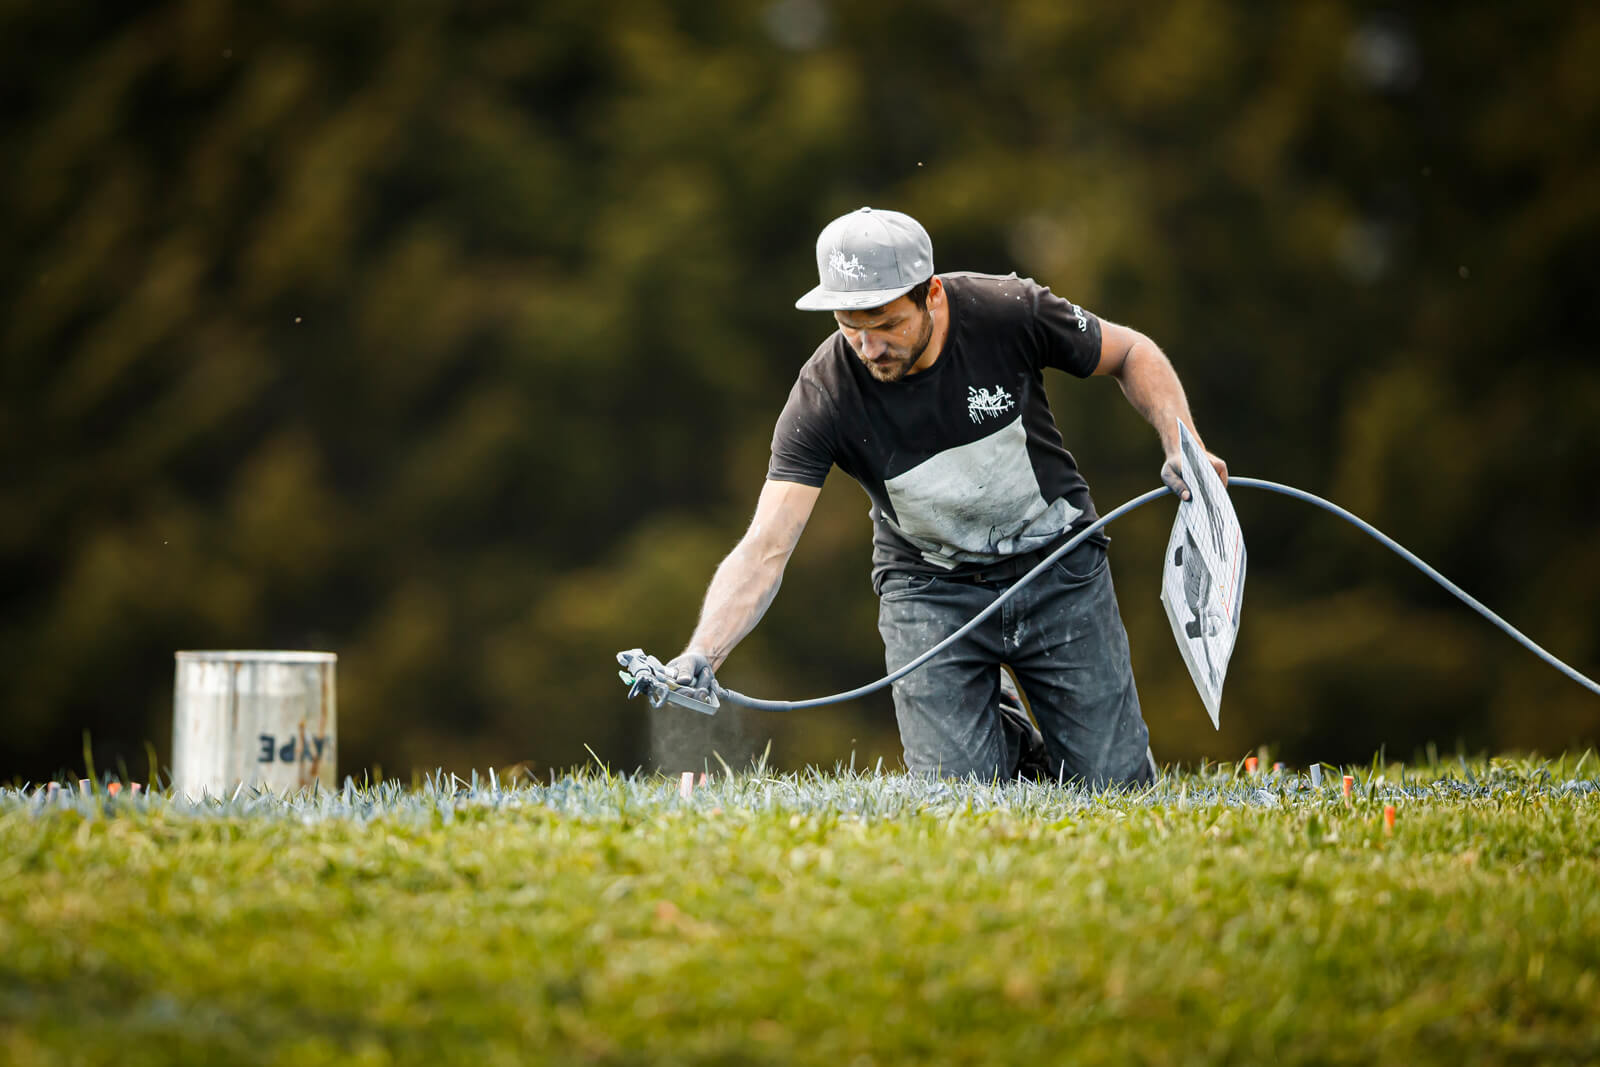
(1062, 636)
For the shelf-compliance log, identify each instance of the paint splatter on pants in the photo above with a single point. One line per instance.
(1063, 637)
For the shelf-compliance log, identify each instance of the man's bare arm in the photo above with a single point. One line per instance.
(748, 579)
(1152, 388)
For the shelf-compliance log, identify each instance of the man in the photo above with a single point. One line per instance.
(931, 394)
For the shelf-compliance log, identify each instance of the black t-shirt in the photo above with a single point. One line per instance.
(963, 461)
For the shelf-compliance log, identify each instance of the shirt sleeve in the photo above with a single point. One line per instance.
(1067, 335)
(802, 441)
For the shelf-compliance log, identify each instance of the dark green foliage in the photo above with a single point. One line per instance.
(449, 337)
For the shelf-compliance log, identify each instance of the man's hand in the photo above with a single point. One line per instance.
(1172, 472)
(692, 670)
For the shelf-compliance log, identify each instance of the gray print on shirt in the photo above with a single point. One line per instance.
(977, 502)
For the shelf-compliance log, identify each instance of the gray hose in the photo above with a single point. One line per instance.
(1137, 502)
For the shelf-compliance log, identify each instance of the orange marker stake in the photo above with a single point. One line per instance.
(686, 784)
(1249, 765)
(136, 788)
(1388, 818)
(1277, 767)
(1348, 783)
(114, 788)
(703, 778)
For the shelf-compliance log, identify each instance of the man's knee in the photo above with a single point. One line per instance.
(942, 741)
(1121, 758)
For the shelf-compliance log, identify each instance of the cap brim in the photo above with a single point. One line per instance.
(824, 299)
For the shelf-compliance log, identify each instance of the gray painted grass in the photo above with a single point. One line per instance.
(600, 794)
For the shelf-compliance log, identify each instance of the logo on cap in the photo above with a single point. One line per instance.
(846, 267)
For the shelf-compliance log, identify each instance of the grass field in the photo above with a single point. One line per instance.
(836, 919)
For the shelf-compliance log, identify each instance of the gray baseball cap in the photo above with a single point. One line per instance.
(866, 259)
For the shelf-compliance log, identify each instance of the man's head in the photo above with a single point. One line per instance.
(893, 339)
(875, 271)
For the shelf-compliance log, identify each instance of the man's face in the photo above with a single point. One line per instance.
(891, 339)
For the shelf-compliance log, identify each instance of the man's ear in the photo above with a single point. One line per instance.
(935, 291)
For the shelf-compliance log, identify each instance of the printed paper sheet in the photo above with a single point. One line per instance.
(1202, 575)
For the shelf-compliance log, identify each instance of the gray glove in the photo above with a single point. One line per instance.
(693, 670)
(1171, 474)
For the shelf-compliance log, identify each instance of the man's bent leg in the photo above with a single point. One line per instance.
(947, 710)
(1072, 658)
(1022, 736)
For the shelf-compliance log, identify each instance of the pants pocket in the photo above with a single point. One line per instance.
(1082, 563)
(900, 586)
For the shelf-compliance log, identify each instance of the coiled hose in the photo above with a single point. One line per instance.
(1138, 502)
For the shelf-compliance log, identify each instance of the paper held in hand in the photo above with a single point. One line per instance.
(1202, 575)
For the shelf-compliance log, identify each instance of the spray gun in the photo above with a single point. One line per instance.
(647, 675)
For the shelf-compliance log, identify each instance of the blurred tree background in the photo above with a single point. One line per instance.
(449, 337)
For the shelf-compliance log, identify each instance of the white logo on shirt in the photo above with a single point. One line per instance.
(981, 402)
(1083, 320)
(846, 267)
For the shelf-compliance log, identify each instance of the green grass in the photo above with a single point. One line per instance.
(830, 919)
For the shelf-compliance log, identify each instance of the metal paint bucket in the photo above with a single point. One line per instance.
(253, 718)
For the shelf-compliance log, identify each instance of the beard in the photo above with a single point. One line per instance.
(894, 366)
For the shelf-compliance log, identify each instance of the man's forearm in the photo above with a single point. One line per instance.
(1152, 387)
(739, 594)
(748, 579)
